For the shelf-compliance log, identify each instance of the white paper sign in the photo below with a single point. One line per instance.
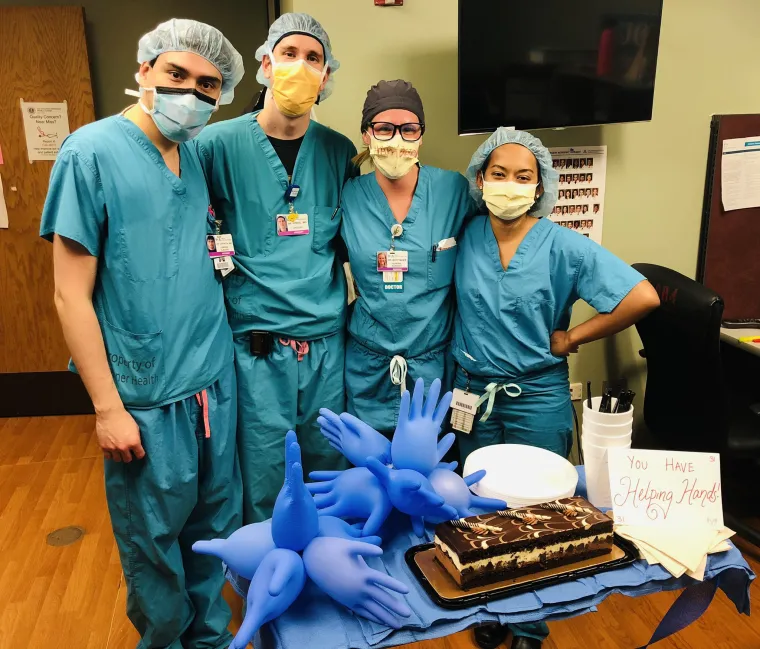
(740, 173)
(665, 488)
(46, 127)
(3, 208)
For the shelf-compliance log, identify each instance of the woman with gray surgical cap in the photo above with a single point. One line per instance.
(400, 327)
(142, 310)
(518, 275)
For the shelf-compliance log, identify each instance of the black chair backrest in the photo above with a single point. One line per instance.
(685, 407)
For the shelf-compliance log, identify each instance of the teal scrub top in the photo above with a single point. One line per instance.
(289, 285)
(157, 296)
(505, 318)
(417, 317)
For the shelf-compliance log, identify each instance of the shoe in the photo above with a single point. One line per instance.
(490, 635)
(523, 642)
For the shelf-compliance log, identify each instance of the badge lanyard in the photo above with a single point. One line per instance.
(220, 247)
(393, 278)
(292, 223)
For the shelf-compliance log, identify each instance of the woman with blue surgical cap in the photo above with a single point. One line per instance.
(400, 225)
(142, 311)
(517, 277)
(276, 178)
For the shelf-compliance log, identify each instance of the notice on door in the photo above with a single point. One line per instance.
(46, 126)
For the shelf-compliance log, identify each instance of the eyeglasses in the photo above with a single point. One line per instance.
(385, 131)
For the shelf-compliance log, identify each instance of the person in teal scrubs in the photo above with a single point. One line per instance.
(401, 324)
(276, 178)
(142, 310)
(517, 277)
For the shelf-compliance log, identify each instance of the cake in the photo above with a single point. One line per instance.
(484, 549)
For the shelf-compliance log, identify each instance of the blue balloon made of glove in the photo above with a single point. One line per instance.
(456, 492)
(275, 586)
(411, 492)
(244, 550)
(295, 521)
(415, 442)
(354, 494)
(338, 567)
(354, 439)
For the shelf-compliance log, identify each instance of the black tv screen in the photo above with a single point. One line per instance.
(556, 63)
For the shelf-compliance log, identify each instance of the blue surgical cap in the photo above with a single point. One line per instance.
(180, 35)
(549, 176)
(289, 24)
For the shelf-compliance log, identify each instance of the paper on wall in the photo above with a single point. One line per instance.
(582, 182)
(46, 126)
(3, 208)
(740, 173)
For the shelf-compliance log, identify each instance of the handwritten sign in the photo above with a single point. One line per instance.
(665, 488)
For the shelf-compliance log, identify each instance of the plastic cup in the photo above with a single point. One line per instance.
(593, 414)
(608, 430)
(620, 441)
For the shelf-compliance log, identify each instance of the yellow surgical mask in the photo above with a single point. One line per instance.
(394, 158)
(509, 200)
(295, 86)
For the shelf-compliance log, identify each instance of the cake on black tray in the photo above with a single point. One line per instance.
(485, 549)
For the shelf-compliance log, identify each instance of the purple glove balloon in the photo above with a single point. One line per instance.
(415, 443)
(295, 521)
(330, 526)
(337, 566)
(244, 550)
(353, 438)
(275, 586)
(411, 492)
(456, 492)
(351, 494)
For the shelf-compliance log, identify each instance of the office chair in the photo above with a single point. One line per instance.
(688, 405)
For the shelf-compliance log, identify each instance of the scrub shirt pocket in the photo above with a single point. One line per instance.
(441, 269)
(533, 319)
(137, 365)
(325, 224)
(148, 250)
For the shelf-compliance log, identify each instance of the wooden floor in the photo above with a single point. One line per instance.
(51, 476)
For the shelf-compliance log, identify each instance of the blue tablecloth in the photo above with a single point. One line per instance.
(315, 618)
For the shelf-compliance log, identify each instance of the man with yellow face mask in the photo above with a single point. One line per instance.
(275, 178)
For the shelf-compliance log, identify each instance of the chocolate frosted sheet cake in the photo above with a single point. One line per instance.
(485, 549)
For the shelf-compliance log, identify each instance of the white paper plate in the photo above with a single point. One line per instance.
(522, 475)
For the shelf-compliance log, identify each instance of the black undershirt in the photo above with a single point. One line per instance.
(287, 151)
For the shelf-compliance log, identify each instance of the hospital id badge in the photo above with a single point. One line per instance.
(393, 282)
(220, 245)
(392, 261)
(292, 225)
(224, 265)
(463, 410)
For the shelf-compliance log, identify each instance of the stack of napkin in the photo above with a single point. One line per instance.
(681, 550)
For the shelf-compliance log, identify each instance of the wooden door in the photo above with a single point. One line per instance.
(43, 58)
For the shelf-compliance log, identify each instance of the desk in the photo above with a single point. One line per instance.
(731, 337)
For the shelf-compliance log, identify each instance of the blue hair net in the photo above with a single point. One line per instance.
(549, 176)
(288, 24)
(180, 35)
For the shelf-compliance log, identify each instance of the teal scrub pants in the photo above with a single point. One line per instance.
(370, 394)
(541, 416)
(278, 393)
(186, 489)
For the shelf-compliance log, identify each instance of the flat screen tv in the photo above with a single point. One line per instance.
(556, 63)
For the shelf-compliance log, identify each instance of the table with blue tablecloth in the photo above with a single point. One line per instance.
(315, 616)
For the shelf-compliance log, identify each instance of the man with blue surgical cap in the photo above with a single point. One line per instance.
(276, 179)
(142, 310)
(517, 277)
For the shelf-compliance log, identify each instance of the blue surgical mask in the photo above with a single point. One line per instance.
(179, 113)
